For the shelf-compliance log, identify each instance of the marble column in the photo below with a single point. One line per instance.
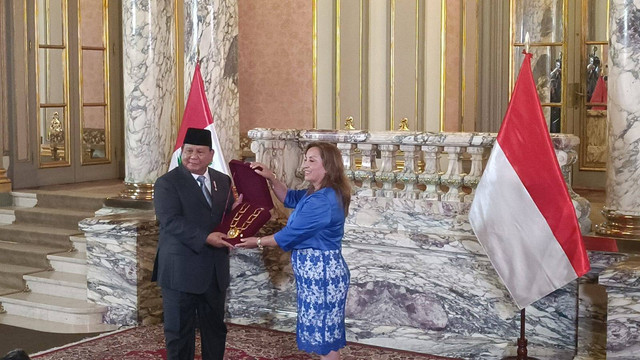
(149, 72)
(211, 29)
(622, 204)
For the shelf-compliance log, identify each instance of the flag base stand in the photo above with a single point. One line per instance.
(522, 343)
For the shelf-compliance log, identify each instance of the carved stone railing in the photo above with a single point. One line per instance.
(400, 164)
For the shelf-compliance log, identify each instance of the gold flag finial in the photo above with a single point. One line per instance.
(348, 123)
(527, 41)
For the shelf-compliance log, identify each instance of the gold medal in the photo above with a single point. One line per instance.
(233, 233)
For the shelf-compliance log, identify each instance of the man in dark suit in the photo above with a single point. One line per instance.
(192, 262)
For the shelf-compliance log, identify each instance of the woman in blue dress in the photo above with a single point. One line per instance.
(314, 234)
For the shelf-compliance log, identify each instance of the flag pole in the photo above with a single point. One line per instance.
(522, 342)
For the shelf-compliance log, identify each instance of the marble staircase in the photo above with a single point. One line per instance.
(43, 283)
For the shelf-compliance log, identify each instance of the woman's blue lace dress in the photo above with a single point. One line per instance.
(314, 236)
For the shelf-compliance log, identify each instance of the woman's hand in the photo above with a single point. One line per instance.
(248, 243)
(263, 171)
(278, 187)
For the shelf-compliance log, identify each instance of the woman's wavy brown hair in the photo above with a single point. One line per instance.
(334, 176)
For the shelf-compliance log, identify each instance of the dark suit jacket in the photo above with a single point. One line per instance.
(184, 262)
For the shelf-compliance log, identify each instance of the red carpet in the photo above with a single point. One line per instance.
(243, 343)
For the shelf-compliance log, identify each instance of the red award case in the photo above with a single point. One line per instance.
(248, 217)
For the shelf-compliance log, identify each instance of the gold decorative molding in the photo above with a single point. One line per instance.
(137, 191)
(392, 64)
(404, 125)
(338, 64)
(348, 123)
(443, 49)
(619, 225)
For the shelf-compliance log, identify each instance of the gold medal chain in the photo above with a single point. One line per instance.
(234, 230)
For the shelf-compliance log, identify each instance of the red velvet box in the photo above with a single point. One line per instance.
(248, 217)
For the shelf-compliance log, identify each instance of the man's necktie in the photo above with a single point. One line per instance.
(203, 187)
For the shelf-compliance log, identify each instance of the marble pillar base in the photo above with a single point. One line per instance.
(623, 315)
(619, 225)
(137, 191)
(120, 253)
(592, 307)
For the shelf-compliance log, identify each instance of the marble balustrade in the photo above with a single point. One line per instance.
(403, 164)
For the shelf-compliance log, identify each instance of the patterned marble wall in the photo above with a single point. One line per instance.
(275, 63)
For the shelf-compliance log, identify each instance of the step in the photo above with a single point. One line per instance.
(74, 262)
(58, 283)
(24, 199)
(52, 308)
(52, 326)
(57, 200)
(39, 235)
(7, 291)
(11, 276)
(59, 218)
(26, 254)
(79, 243)
(7, 215)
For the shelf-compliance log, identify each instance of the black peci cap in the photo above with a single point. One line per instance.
(196, 136)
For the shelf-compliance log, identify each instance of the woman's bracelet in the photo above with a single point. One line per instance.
(259, 243)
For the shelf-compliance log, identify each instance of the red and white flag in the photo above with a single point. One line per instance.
(197, 114)
(522, 213)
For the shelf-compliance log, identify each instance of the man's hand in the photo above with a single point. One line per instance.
(237, 202)
(216, 239)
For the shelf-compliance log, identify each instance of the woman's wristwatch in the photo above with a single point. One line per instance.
(259, 243)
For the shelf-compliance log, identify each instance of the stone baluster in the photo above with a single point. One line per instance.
(387, 173)
(271, 153)
(430, 177)
(408, 176)
(367, 171)
(280, 151)
(566, 159)
(472, 179)
(348, 158)
(453, 177)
